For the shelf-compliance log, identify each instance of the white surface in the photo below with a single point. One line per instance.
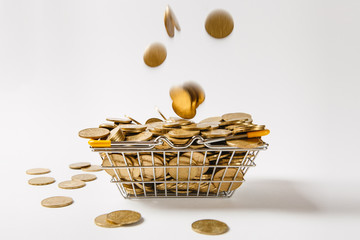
(294, 65)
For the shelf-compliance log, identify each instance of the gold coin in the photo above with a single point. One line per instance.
(219, 24)
(182, 103)
(210, 227)
(123, 173)
(119, 120)
(216, 133)
(152, 120)
(229, 176)
(94, 133)
(102, 221)
(134, 128)
(116, 135)
(37, 171)
(71, 184)
(171, 124)
(196, 126)
(236, 117)
(181, 133)
(57, 202)
(123, 217)
(199, 159)
(41, 181)
(108, 125)
(79, 165)
(144, 136)
(196, 92)
(169, 24)
(155, 55)
(180, 141)
(245, 143)
(84, 177)
(148, 173)
(183, 173)
(92, 168)
(211, 120)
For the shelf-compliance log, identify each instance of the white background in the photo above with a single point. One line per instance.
(294, 65)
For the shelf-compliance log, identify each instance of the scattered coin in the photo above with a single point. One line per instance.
(102, 221)
(219, 24)
(71, 184)
(41, 181)
(155, 55)
(57, 202)
(37, 171)
(84, 177)
(92, 168)
(123, 217)
(94, 133)
(79, 165)
(210, 227)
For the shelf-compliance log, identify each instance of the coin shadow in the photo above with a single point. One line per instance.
(253, 195)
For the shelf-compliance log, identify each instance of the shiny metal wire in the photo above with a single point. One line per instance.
(155, 187)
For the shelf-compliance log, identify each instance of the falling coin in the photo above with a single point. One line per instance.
(102, 221)
(219, 24)
(92, 168)
(171, 22)
(85, 177)
(210, 227)
(79, 165)
(37, 171)
(155, 55)
(123, 217)
(94, 133)
(41, 181)
(57, 202)
(71, 184)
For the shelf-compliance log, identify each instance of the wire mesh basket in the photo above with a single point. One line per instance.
(161, 169)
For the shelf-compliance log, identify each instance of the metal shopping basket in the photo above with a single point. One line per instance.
(219, 171)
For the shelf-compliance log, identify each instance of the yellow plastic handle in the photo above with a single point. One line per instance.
(258, 133)
(100, 143)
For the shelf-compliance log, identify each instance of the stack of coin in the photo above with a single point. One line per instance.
(118, 219)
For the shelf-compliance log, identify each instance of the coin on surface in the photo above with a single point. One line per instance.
(94, 133)
(210, 227)
(219, 24)
(216, 133)
(229, 176)
(119, 120)
(71, 184)
(92, 168)
(37, 171)
(155, 55)
(123, 217)
(41, 181)
(57, 202)
(85, 177)
(181, 133)
(102, 221)
(144, 136)
(245, 143)
(79, 165)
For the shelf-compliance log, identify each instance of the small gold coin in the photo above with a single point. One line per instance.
(171, 124)
(155, 55)
(153, 120)
(170, 22)
(181, 133)
(210, 227)
(85, 177)
(37, 171)
(245, 143)
(144, 136)
(183, 105)
(71, 184)
(57, 202)
(119, 120)
(216, 133)
(219, 24)
(79, 165)
(41, 181)
(92, 168)
(94, 133)
(123, 217)
(108, 125)
(102, 221)
(233, 117)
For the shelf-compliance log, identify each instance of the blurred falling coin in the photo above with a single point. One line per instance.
(219, 24)
(84, 177)
(41, 181)
(94, 133)
(123, 217)
(37, 171)
(102, 221)
(57, 202)
(210, 227)
(79, 165)
(71, 184)
(155, 55)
